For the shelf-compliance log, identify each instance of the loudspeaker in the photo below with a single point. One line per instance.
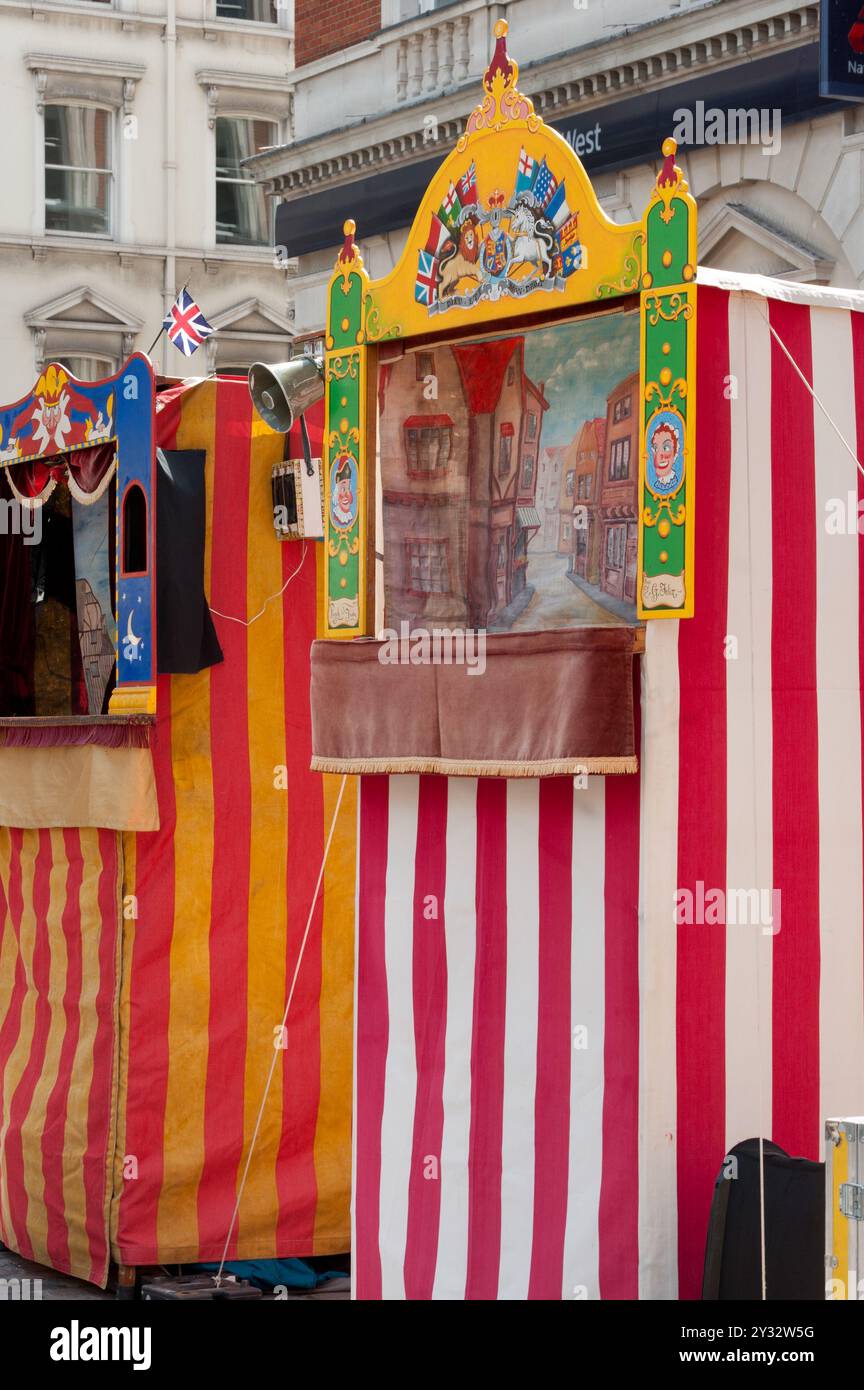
(281, 392)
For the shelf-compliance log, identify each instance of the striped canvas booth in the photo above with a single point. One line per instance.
(551, 1065)
(143, 975)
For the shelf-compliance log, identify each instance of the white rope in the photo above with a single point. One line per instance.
(835, 427)
(276, 1051)
(247, 622)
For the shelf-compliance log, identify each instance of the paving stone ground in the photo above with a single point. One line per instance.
(21, 1279)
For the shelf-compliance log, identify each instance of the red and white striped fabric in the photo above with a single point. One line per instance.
(495, 1159)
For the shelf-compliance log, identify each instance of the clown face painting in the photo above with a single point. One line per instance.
(343, 492)
(664, 468)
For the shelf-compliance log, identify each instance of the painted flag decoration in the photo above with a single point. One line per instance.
(185, 324)
(467, 186)
(438, 235)
(450, 208)
(545, 184)
(526, 171)
(556, 209)
(426, 284)
(541, 1019)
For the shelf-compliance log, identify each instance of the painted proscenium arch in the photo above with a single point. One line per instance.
(62, 416)
(508, 162)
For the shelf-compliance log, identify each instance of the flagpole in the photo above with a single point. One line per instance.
(162, 325)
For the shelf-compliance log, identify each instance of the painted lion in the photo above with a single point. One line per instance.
(458, 262)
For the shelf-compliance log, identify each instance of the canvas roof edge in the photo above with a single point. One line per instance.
(768, 288)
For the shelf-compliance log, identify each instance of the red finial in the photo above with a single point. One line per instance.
(667, 173)
(500, 61)
(348, 249)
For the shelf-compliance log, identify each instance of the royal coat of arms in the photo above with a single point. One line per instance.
(482, 250)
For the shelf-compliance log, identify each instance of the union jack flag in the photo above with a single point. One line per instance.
(185, 324)
(467, 186)
(426, 287)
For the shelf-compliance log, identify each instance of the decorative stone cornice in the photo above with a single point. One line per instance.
(266, 96)
(570, 83)
(59, 75)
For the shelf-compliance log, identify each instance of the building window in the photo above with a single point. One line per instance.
(616, 541)
(527, 470)
(565, 531)
(87, 368)
(79, 172)
(425, 365)
(427, 447)
(619, 463)
(583, 487)
(621, 410)
(502, 552)
(426, 568)
(505, 452)
(262, 10)
(532, 426)
(570, 482)
(241, 207)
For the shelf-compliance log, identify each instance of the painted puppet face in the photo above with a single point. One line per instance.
(663, 448)
(344, 495)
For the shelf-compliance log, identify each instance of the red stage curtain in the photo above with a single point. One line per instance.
(87, 471)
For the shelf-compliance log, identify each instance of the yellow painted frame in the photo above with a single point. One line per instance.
(608, 260)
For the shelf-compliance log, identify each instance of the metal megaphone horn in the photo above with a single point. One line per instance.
(282, 391)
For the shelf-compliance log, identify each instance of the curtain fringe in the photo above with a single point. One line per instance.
(75, 735)
(456, 767)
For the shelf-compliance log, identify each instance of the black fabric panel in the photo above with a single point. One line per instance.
(17, 627)
(794, 1228)
(186, 639)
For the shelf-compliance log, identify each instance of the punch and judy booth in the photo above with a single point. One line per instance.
(160, 838)
(606, 716)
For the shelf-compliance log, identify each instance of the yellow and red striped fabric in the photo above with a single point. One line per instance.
(186, 940)
(59, 972)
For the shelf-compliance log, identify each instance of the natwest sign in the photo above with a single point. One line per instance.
(841, 50)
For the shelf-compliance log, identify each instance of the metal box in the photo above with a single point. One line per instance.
(844, 1209)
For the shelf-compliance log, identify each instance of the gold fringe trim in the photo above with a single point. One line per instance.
(455, 767)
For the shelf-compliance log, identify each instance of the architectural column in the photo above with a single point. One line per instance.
(445, 71)
(430, 46)
(463, 41)
(402, 70)
(416, 42)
